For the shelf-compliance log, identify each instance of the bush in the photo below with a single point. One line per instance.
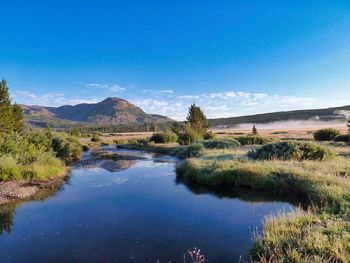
(164, 137)
(209, 135)
(297, 151)
(96, 138)
(253, 139)
(221, 144)
(189, 151)
(85, 148)
(66, 148)
(326, 134)
(189, 136)
(9, 168)
(31, 155)
(342, 138)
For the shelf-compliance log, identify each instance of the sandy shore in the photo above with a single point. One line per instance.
(19, 190)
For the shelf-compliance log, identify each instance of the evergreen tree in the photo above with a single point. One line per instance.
(11, 116)
(176, 127)
(255, 130)
(197, 119)
(18, 117)
(6, 113)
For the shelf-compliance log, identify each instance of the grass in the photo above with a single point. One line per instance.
(39, 155)
(321, 233)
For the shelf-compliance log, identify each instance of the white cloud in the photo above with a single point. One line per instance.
(158, 92)
(106, 86)
(225, 104)
(48, 99)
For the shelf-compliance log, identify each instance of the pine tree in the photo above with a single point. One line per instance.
(18, 118)
(175, 127)
(197, 119)
(6, 110)
(255, 130)
(11, 116)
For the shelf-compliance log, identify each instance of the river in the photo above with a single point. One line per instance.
(131, 210)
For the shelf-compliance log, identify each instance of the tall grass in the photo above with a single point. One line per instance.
(36, 155)
(320, 234)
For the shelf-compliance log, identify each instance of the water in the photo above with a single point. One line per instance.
(131, 211)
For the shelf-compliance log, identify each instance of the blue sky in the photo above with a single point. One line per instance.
(230, 57)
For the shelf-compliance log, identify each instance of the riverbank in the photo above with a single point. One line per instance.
(321, 233)
(13, 191)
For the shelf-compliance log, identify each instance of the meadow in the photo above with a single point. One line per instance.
(317, 172)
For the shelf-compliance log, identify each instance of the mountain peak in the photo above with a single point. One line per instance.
(112, 110)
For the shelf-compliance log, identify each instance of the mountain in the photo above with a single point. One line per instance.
(109, 111)
(329, 114)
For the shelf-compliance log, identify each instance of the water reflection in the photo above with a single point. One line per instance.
(245, 194)
(7, 211)
(130, 210)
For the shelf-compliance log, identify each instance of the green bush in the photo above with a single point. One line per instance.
(326, 134)
(96, 138)
(164, 137)
(253, 139)
(297, 151)
(85, 148)
(189, 136)
(220, 144)
(9, 168)
(31, 155)
(188, 151)
(342, 138)
(66, 148)
(209, 135)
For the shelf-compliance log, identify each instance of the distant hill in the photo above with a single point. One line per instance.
(111, 111)
(329, 114)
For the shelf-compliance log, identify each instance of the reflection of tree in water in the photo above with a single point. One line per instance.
(6, 218)
(245, 194)
(7, 211)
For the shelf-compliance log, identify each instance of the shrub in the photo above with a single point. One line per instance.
(342, 138)
(220, 144)
(164, 137)
(253, 139)
(188, 151)
(9, 168)
(96, 138)
(32, 155)
(326, 134)
(297, 151)
(190, 136)
(209, 135)
(85, 148)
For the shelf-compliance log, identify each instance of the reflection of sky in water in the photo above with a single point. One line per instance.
(137, 214)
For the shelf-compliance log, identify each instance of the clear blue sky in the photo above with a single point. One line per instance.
(230, 57)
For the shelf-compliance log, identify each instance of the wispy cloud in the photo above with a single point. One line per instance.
(224, 104)
(48, 99)
(110, 87)
(158, 92)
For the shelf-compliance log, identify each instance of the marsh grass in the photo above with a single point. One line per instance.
(319, 234)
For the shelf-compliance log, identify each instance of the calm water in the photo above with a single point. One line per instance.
(130, 211)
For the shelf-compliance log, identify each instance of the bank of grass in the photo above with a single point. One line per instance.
(36, 155)
(174, 149)
(320, 234)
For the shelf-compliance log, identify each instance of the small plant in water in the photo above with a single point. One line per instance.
(196, 255)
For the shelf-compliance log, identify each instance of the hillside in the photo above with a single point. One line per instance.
(329, 114)
(111, 111)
